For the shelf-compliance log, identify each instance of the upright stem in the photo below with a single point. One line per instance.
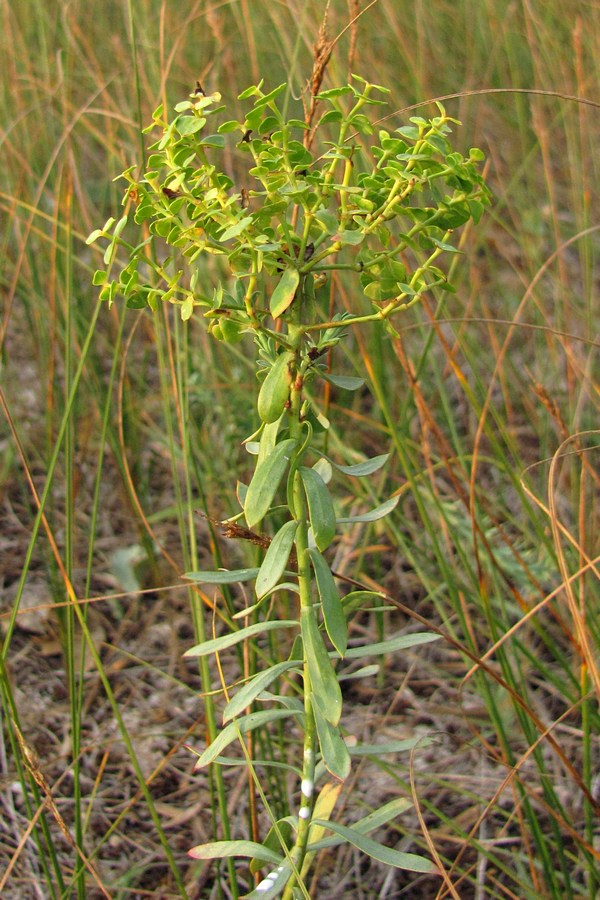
(300, 513)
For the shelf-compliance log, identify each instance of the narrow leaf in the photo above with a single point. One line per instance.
(272, 885)
(322, 676)
(378, 750)
(333, 749)
(234, 729)
(222, 576)
(285, 292)
(346, 382)
(364, 468)
(265, 482)
(276, 558)
(324, 469)
(279, 835)
(360, 674)
(409, 861)
(229, 640)
(268, 440)
(333, 613)
(373, 820)
(320, 507)
(374, 514)
(401, 642)
(225, 849)
(254, 687)
(354, 599)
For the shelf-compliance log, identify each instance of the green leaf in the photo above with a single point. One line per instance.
(360, 674)
(237, 728)
(213, 140)
(276, 558)
(320, 507)
(253, 91)
(275, 389)
(285, 292)
(334, 92)
(333, 115)
(355, 599)
(324, 468)
(246, 695)
(373, 515)
(377, 750)
(400, 642)
(94, 236)
(333, 613)
(222, 576)
(231, 125)
(234, 637)
(444, 246)
(226, 849)
(279, 835)
(322, 676)
(346, 382)
(272, 885)
(237, 229)
(364, 468)
(328, 220)
(265, 482)
(187, 308)
(187, 125)
(370, 822)
(409, 861)
(333, 749)
(351, 237)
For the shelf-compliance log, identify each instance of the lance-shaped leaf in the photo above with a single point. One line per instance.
(358, 470)
(285, 292)
(370, 822)
(272, 884)
(225, 849)
(240, 726)
(222, 576)
(280, 834)
(333, 749)
(333, 613)
(322, 676)
(346, 382)
(265, 482)
(400, 642)
(409, 861)
(320, 507)
(374, 514)
(378, 750)
(355, 599)
(276, 558)
(234, 637)
(254, 687)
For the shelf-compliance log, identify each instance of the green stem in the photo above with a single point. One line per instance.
(300, 513)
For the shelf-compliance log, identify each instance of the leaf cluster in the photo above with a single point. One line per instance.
(384, 204)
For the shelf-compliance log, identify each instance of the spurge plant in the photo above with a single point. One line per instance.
(258, 259)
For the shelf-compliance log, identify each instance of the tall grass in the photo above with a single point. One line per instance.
(118, 428)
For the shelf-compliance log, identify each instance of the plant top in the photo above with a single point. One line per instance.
(382, 204)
